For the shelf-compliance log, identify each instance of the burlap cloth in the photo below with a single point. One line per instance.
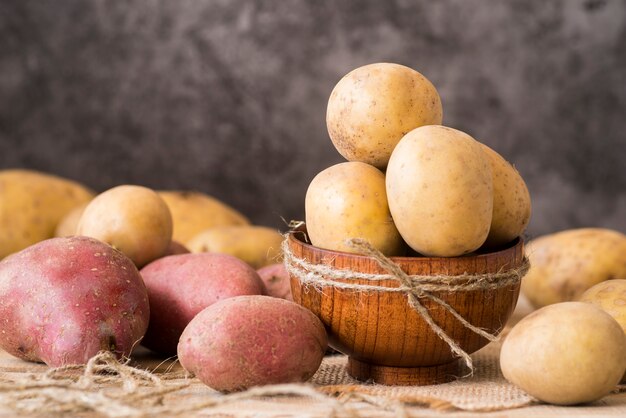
(486, 393)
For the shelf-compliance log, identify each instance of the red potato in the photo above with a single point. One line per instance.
(176, 248)
(249, 341)
(64, 299)
(276, 280)
(180, 286)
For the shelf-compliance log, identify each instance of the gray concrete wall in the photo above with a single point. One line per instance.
(229, 97)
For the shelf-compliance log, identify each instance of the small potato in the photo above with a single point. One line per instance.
(31, 206)
(133, 219)
(276, 280)
(251, 341)
(440, 191)
(69, 224)
(194, 212)
(565, 354)
(348, 200)
(373, 106)
(256, 245)
(176, 248)
(180, 286)
(64, 299)
(511, 201)
(565, 264)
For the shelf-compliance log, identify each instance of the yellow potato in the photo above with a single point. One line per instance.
(374, 106)
(565, 264)
(440, 191)
(565, 354)
(349, 200)
(133, 219)
(194, 212)
(511, 201)
(256, 245)
(69, 224)
(31, 206)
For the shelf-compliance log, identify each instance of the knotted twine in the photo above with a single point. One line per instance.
(416, 287)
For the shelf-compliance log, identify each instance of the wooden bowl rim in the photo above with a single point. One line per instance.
(398, 259)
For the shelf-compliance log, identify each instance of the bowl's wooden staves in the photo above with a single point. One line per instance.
(389, 342)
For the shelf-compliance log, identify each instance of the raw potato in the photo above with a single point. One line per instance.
(194, 212)
(64, 299)
(565, 354)
(276, 280)
(31, 206)
(251, 341)
(181, 286)
(256, 245)
(69, 224)
(348, 200)
(511, 201)
(374, 106)
(133, 219)
(610, 296)
(440, 191)
(565, 264)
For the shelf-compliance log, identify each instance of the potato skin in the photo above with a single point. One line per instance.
(64, 299)
(194, 212)
(349, 200)
(249, 341)
(511, 201)
(133, 219)
(567, 353)
(276, 280)
(181, 286)
(68, 225)
(31, 206)
(565, 264)
(440, 191)
(374, 106)
(256, 245)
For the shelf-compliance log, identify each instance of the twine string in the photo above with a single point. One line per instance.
(416, 287)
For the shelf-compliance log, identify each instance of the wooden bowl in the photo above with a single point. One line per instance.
(386, 340)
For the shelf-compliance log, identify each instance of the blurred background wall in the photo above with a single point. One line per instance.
(229, 97)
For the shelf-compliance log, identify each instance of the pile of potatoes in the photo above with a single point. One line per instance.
(409, 181)
(135, 265)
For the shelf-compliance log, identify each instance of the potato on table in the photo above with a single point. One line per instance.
(256, 245)
(276, 280)
(565, 264)
(251, 341)
(180, 286)
(64, 299)
(31, 206)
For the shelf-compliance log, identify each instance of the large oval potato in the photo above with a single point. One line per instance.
(133, 219)
(565, 354)
(194, 212)
(565, 264)
(511, 201)
(256, 245)
(181, 286)
(440, 191)
(64, 299)
(374, 106)
(250, 341)
(31, 206)
(348, 200)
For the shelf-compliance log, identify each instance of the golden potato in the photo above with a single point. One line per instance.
(349, 200)
(256, 245)
(565, 264)
(511, 201)
(374, 106)
(194, 212)
(440, 191)
(31, 206)
(565, 354)
(69, 224)
(132, 219)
